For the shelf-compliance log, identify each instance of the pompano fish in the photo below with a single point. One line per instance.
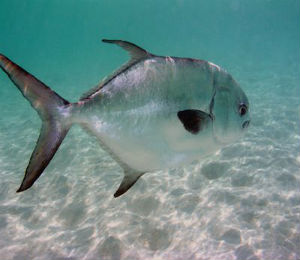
(153, 113)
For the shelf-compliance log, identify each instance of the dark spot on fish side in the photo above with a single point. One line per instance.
(193, 120)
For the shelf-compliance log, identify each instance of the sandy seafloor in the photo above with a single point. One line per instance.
(240, 203)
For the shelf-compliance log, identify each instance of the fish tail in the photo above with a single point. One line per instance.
(54, 112)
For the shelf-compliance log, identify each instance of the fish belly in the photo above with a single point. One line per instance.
(148, 142)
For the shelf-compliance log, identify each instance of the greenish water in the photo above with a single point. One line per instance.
(241, 203)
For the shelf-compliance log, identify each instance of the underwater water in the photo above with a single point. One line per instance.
(241, 203)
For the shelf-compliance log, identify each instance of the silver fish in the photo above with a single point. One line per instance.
(154, 113)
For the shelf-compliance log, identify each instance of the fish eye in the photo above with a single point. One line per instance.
(243, 109)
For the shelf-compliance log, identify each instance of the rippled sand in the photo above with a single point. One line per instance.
(241, 203)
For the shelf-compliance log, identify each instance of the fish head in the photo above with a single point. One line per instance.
(230, 109)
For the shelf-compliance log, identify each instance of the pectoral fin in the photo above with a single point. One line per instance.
(194, 120)
(130, 178)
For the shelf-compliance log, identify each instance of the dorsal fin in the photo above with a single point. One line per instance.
(136, 54)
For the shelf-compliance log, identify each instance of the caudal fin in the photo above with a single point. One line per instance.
(53, 111)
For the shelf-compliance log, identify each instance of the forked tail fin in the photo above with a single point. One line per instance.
(53, 111)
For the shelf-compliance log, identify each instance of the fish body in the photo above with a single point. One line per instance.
(154, 113)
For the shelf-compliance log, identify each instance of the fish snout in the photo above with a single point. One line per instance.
(246, 124)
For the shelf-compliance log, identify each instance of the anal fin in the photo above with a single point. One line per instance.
(130, 178)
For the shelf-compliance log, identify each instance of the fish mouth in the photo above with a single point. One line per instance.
(246, 124)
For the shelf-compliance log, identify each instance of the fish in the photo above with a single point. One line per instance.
(153, 113)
